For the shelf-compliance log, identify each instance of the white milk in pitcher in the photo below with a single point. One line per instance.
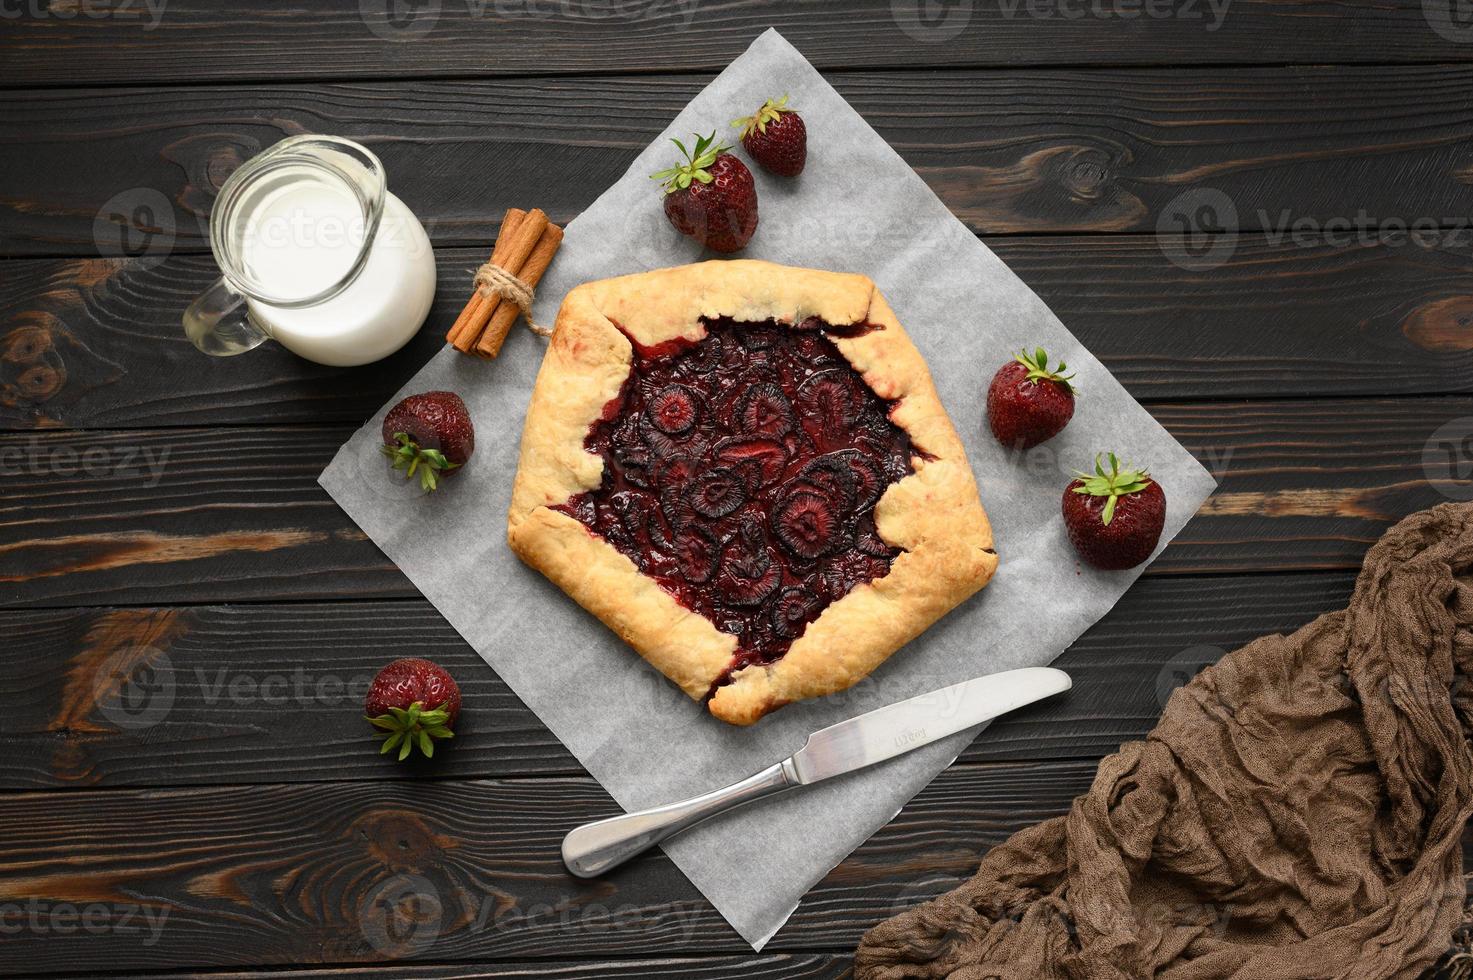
(301, 237)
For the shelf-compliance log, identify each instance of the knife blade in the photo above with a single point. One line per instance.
(853, 744)
(897, 728)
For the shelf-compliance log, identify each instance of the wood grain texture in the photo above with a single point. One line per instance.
(88, 343)
(321, 38)
(273, 693)
(132, 171)
(247, 805)
(767, 966)
(449, 870)
(228, 514)
(329, 872)
(213, 515)
(96, 343)
(1322, 498)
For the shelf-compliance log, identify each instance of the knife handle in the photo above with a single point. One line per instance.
(594, 848)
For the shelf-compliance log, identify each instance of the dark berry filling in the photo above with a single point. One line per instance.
(741, 473)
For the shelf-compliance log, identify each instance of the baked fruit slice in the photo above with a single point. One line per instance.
(743, 470)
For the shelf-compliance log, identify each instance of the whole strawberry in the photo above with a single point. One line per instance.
(776, 138)
(1028, 403)
(1114, 519)
(429, 434)
(413, 702)
(711, 196)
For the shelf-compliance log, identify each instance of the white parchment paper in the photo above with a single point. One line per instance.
(858, 207)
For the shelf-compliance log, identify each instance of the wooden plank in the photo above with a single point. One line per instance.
(1008, 151)
(264, 875)
(197, 514)
(272, 693)
(183, 40)
(753, 966)
(99, 342)
(440, 871)
(214, 515)
(105, 348)
(1311, 485)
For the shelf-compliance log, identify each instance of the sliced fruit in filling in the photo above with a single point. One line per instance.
(741, 472)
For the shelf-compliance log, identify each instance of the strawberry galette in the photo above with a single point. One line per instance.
(744, 471)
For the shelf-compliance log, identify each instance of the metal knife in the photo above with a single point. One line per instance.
(872, 737)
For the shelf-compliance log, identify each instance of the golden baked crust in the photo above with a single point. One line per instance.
(933, 515)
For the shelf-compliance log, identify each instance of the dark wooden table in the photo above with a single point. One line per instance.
(189, 621)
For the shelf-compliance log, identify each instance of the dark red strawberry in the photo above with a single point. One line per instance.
(776, 138)
(792, 610)
(869, 542)
(764, 411)
(663, 448)
(413, 702)
(711, 196)
(806, 525)
(748, 572)
(760, 336)
(848, 476)
(675, 471)
(843, 572)
(1028, 403)
(869, 482)
(1114, 519)
(673, 409)
(635, 463)
(696, 552)
(833, 479)
(764, 459)
(628, 511)
(831, 402)
(717, 492)
(429, 434)
(704, 357)
(816, 349)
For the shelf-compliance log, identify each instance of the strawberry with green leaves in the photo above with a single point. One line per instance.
(430, 435)
(1029, 402)
(776, 137)
(1114, 518)
(711, 196)
(413, 702)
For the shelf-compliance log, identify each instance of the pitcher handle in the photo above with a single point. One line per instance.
(218, 322)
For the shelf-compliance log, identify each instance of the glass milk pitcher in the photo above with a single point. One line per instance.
(316, 254)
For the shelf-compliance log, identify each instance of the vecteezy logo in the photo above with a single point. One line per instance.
(134, 688)
(932, 21)
(1447, 459)
(401, 916)
(1182, 667)
(913, 737)
(924, 889)
(399, 20)
(1451, 19)
(135, 224)
(1198, 229)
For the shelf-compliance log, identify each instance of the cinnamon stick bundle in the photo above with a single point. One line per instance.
(524, 248)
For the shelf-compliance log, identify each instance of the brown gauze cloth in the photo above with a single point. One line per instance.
(1295, 814)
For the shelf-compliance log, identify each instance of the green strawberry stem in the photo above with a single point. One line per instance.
(410, 727)
(696, 165)
(411, 458)
(1038, 369)
(1114, 485)
(771, 110)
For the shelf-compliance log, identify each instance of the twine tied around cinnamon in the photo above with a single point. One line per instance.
(493, 279)
(524, 249)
